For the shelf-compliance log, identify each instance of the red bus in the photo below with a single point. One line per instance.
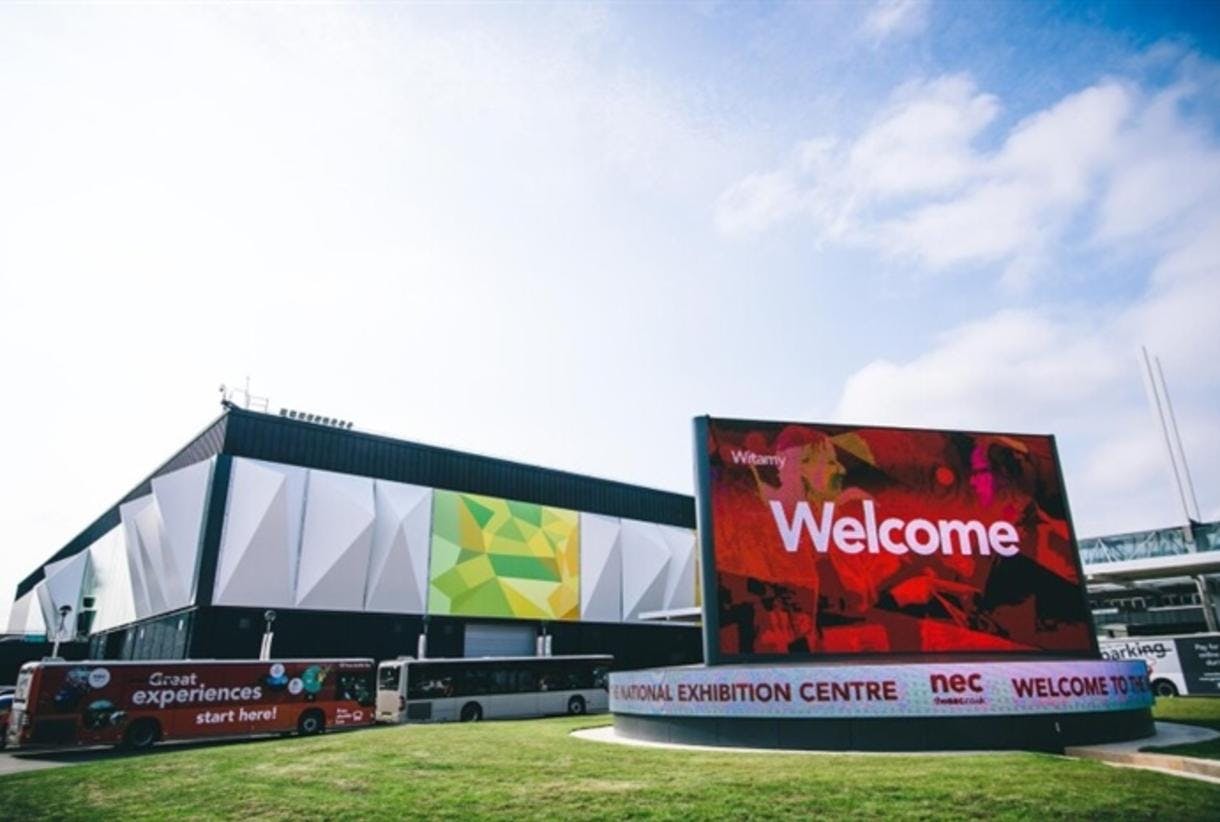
(137, 704)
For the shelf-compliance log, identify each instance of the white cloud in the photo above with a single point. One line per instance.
(896, 18)
(917, 184)
(921, 142)
(997, 372)
(1179, 317)
(1164, 167)
(1022, 196)
(991, 222)
(918, 144)
(756, 202)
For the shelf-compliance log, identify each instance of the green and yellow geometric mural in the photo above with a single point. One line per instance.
(496, 558)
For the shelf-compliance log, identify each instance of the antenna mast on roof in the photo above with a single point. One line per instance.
(249, 401)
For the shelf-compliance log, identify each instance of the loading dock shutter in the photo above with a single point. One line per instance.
(493, 639)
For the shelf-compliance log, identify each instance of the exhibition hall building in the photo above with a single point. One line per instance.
(368, 546)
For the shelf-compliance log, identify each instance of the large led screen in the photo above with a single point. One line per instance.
(497, 558)
(827, 540)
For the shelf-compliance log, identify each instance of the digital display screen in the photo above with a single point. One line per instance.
(833, 540)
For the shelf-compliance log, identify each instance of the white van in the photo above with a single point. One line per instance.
(1177, 665)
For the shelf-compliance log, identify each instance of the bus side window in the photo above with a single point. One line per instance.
(575, 677)
(477, 682)
(502, 681)
(429, 683)
(601, 676)
(442, 681)
(356, 688)
(527, 681)
(388, 677)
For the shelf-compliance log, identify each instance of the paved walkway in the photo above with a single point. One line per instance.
(1128, 755)
(20, 763)
(36, 760)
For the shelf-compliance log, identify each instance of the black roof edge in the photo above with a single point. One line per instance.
(109, 519)
(454, 452)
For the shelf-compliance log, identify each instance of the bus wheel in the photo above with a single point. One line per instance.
(472, 712)
(141, 734)
(310, 723)
(576, 705)
(1163, 687)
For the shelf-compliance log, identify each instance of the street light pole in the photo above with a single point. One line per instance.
(64, 610)
(264, 651)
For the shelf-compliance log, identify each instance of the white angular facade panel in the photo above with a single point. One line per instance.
(144, 566)
(335, 542)
(18, 616)
(42, 601)
(34, 622)
(163, 532)
(261, 536)
(398, 563)
(110, 584)
(645, 568)
(680, 576)
(181, 498)
(158, 585)
(138, 565)
(601, 569)
(63, 585)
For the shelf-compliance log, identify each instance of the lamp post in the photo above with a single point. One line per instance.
(64, 610)
(265, 650)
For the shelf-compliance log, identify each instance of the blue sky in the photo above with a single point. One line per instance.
(556, 233)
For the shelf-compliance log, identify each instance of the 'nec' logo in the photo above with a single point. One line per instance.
(956, 683)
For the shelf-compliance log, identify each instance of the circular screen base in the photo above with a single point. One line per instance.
(1050, 733)
(984, 705)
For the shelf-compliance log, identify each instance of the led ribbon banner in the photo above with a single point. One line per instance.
(843, 691)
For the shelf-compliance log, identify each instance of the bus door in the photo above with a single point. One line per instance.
(391, 691)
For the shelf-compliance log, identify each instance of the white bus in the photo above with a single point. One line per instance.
(1187, 665)
(468, 690)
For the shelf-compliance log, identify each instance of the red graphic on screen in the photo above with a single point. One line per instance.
(841, 540)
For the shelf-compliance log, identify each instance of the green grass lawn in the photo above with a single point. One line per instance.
(1190, 710)
(536, 769)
